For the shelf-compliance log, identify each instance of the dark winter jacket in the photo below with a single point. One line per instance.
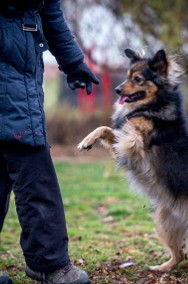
(24, 35)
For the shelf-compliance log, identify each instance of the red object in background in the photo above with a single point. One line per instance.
(87, 103)
(106, 86)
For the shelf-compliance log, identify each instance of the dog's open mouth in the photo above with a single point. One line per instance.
(131, 98)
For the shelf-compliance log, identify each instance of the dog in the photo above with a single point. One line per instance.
(149, 139)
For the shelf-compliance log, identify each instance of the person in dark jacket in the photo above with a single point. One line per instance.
(27, 29)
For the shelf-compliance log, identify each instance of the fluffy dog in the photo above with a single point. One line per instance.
(149, 140)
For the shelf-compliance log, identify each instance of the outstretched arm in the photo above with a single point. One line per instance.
(58, 35)
(65, 49)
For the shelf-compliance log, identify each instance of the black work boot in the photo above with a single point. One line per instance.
(5, 279)
(67, 275)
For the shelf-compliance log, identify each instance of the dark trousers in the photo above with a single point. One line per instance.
(30, 173)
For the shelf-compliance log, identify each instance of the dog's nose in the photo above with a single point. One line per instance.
(118, 90)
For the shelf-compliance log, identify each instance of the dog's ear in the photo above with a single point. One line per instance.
(132, 55)
(159, 62)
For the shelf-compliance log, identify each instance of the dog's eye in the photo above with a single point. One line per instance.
(138, 79)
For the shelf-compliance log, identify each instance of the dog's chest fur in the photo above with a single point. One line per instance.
(149, 152)
(140, 162)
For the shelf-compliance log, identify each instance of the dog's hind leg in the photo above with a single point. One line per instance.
(103, 134)
(172, 233)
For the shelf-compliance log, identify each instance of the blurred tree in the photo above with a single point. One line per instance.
(166, 20)
(156, 23)
(104, 28)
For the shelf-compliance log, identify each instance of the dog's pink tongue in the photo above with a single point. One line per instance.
(122, 100)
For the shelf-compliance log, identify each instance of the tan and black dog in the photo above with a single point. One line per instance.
(149, 140)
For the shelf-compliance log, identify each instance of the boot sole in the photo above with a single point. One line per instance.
(35, 277)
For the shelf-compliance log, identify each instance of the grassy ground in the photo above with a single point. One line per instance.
(109, 228)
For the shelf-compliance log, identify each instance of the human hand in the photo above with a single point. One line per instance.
(80, 76)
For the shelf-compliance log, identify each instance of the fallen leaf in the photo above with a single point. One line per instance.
(127, 264)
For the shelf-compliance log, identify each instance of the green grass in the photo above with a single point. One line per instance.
(107, 225)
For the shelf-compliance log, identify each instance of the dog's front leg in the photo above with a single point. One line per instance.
(103, 134)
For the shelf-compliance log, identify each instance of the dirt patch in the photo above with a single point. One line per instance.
(116, 271)
(127, 271)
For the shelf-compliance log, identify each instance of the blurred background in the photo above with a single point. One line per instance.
(103, 29)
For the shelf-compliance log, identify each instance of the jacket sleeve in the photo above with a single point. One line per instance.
(58, 35)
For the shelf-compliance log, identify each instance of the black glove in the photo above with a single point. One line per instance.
(80, 76)
(5, 279)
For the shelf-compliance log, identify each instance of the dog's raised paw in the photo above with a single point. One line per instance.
(84, 146)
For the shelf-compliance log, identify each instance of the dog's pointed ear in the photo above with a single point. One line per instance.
(159, 62)
(132, 55)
